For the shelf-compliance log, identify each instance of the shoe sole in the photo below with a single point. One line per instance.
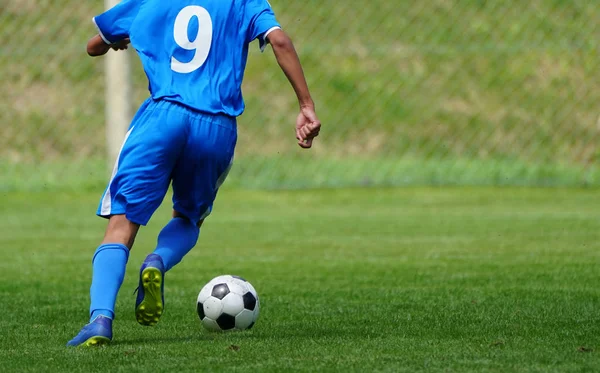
(95, 341)
(150, 309)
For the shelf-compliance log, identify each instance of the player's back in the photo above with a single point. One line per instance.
(194, 51)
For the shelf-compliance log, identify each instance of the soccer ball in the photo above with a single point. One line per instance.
(228, 303)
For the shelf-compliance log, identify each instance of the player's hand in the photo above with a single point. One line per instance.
(120, 45)
(307, 127)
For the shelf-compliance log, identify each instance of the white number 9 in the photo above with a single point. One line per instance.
(201, 43)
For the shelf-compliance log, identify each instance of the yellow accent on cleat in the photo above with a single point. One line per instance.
(150, 309)
(95, 342)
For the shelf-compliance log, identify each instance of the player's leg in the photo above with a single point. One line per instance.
(174, 240)
(108, 265)
(120, 230)
(108, 271)
(199, 172)
(177, 238)
(139, 183)
(149, 305)
(197, 177)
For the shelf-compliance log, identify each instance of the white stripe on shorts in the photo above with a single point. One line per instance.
(107, 200)
(220, 182)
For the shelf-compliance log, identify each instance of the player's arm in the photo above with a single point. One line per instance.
(290, 64)
(307, 123)
(96, 46)
(113, 26)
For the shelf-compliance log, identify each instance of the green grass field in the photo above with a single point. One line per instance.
(415, 279)
(451, 93)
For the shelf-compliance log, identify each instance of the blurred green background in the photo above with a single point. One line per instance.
(468, 92)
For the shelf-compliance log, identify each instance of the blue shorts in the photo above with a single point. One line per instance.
(168, 142)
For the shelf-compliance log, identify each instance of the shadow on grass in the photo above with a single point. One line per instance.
(197, 337)
(282, 335)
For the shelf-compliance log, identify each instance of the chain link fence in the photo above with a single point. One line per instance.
(409, 92)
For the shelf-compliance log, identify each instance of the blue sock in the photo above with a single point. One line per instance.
(176, 239)
(108, 264)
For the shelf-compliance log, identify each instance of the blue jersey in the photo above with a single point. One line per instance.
(194, 52)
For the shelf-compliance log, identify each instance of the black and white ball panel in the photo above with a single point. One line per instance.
(244, 319)
(249, 301)
(252, 289)
(219, 291)
(213, 308)
(204, 294)
(237, 287)
(211, 325)
(233, 304)
(200, 310)
(226, 321)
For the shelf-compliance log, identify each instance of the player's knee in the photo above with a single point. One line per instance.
(177, 214)
(120, 230)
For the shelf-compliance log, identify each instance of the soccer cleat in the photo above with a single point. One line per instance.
(150, 301)
(96, 333)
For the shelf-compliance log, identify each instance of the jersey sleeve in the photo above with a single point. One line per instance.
(261, 21)
(114, 24)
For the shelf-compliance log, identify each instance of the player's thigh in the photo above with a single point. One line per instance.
(146, 161)
(203, 167)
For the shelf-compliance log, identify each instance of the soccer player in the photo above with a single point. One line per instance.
(194, 53)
